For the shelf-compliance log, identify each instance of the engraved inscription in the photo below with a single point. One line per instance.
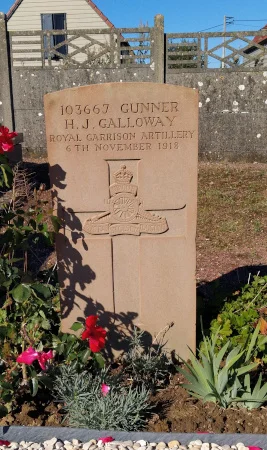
(131, 122)
(126, 214)
(149, 107)
(125, 128)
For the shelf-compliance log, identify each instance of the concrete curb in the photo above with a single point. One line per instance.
(39, 434)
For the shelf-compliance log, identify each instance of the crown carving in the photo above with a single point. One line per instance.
(123, 175)
(123, 178)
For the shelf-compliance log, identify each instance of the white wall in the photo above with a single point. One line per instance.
(27, 17)
(80, 15)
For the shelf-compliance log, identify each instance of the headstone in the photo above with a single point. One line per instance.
(123, 165)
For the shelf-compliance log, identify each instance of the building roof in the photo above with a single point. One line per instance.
(258, 39)
(90, 3)
(262, 40)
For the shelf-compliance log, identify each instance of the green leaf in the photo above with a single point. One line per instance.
(32, 372)
(60, 349)
(42, 314)
(47, 381)
(39, 217)
(42, 289)
(46, 324)
(223, 379)
(34, 386)
(5, 176)
(21, 293)
(56, 223)
(218, 359)
(7, 396)
(3, 330)
(100, 360)
(232, 358)
(252, 342)
(72, 356)
(247, 368)
(6, 385)
(86, 355)
(3, 411)
(76, 326)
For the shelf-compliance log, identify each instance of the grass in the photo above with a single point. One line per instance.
(232, 205)
(231, 232)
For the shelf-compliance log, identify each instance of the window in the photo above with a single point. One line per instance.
(54, 22)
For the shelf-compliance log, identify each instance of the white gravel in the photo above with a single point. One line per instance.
(75, 444)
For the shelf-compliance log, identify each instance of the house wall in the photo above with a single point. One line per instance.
(27, 17)
(80, 15)
(260, 59)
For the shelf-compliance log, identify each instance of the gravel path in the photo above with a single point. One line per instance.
(75, 444)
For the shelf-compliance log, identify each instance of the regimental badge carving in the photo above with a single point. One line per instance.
(126, 214)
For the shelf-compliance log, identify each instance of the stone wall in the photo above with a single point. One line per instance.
(232, 112)
(30, 86)
(232, 106)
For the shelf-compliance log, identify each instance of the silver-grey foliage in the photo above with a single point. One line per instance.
(123, 408)
(152, 365)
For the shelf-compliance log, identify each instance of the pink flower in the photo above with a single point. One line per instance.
(105, 389)
(96, 335)
(6, 143)
(44, 357)
(31, 355)
(254, 448)
(104, 440)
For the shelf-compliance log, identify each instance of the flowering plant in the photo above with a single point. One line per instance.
(6, 139)
(30, 355)
(96, 335)
(6, 146)
(105, 389)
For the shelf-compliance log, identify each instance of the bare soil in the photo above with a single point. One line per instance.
(231, 247)
(174, 411)
(177, 412)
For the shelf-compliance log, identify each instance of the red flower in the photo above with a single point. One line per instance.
(31, 355)
(6, 143)
(105, 389)
(104, 440)
(95, 335)
(254, 448)
(6, 443)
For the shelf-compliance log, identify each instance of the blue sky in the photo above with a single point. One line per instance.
(180, 16)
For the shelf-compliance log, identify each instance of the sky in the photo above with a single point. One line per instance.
(180, 16)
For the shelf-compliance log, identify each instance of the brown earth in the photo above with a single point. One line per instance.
(231, 246)
(177, 412)
(174, 411)
(34, 414)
